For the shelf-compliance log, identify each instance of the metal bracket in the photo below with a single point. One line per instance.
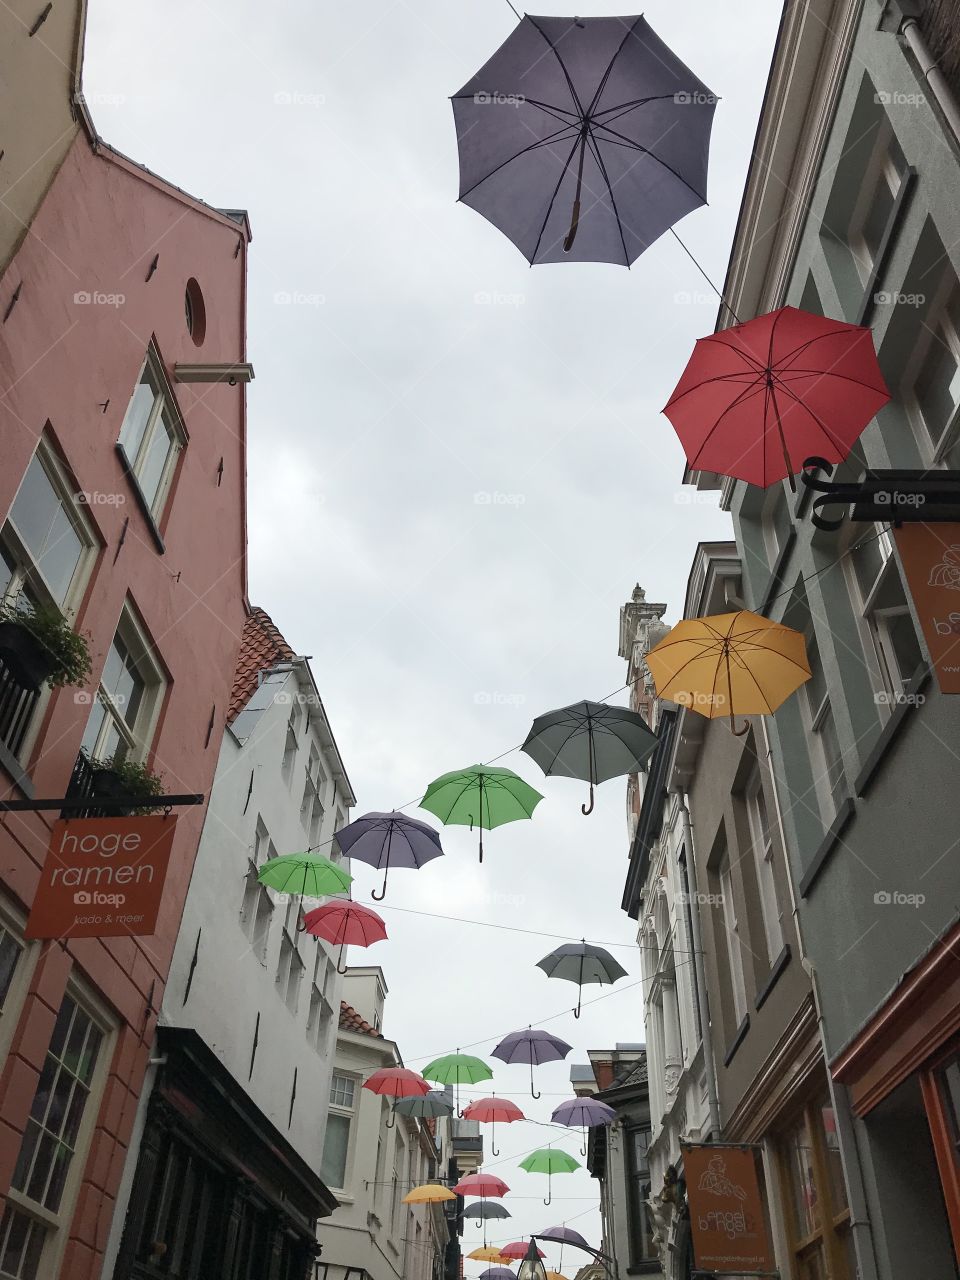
(100, 802)
(883, 497)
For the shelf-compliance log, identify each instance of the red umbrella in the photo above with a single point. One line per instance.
(481, 1184)
(519, 1250)
(344, 922)
(758, 399)
(490, 1111)
(396, 1082)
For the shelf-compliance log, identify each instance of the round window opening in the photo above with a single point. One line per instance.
(196, 312)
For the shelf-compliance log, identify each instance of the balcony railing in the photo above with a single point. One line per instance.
(81, 784)
(17, 702)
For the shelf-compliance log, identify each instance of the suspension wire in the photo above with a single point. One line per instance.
(702, 272)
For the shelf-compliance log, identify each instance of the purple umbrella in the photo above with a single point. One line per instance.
(497, 1273)
(533, 1047)
(389, 840)
(564, 1235)
(585, 1112)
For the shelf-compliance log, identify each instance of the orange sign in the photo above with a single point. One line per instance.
(103, 878)
(930, 554)
(726, 1210)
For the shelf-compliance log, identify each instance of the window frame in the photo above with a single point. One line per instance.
(938, 318)
(763, 848)
(828, 1238)
(874, 622)
(881, 167)
(829, 797)
(164, 399)
(349, 1114)
(733, 941)
(139, 738)
(13, 922)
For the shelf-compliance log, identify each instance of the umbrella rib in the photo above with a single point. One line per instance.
(566, 74)
(653, 156)
(808, 342)
(625, 107)
(563, 174)
(823, 373)
(834, 440)
(592, 142)
(543, 142)
(606, 75)
(734, 404)
(717, 377)
(578, 728)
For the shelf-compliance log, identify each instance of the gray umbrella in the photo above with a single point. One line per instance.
(581, 962)
(590, 740)
(427, 1104)
(485, 1209)
(583, 139)
(386, 840)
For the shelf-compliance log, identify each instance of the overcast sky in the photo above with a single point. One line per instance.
(458, 468)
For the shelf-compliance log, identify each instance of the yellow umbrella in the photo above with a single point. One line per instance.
(489, 1253)
(731, 664)
(429, 1193)
(555, 1275)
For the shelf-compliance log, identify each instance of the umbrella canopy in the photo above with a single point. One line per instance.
(429, 1193)
(457, 1069)
(729, 664)
(396, 1082)
(490, 1111)
(518, 1249)
(480, 795)
(590, 740)
(565, 1235)
(487, 1253)
(427, 1104)
(481, 1184)
(386, 840)
(555, 1275)
(583, 139)
(756, 400)
(581, 962)
(310, 875)
(496, 1273)
(549, 1161)
(585, 1113)
(533, 1047)
(485, 1209)
(343, 923)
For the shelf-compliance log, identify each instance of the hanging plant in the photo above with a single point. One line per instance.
(38, 645)
(127, 780)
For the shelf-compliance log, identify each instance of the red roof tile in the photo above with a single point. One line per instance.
(261, 647)
(350, 1020)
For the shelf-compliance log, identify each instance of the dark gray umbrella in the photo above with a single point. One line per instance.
(533, 1047)
(427, 1104)
(486, 1209)
(565, 1235)
(386, 840)
(581, 962)
(583, 139)
(590, 740)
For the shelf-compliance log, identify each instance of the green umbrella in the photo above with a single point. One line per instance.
(309, 874)
(456, 1069)
(480, 794)
(548, 1161)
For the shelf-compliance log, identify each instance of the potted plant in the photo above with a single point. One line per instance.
(125, 780)
(38, 644)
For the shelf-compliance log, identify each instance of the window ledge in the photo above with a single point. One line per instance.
(892, 729)
(827, 846)
(142, 503)
(21, 779)
(776, 969)
(738, 1040)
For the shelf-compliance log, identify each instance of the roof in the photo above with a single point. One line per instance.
(350, 1020)
(261, 647)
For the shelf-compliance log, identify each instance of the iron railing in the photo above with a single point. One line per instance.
(17, 703)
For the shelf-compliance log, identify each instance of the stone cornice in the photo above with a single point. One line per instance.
(782, 1077)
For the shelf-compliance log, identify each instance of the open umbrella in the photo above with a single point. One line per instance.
(481, 796)
(430, 1104)
(481, 1184)
(585, 1113)
(489, 1111)
(456, 1069)
(482, 1209)
(533, 1047)
(345, 923)
(590, 740)
(429, 1193)
(583, 139)
(756, 399)
(549, 1161)
(519, 1249)
(488, 1253)
(385, 840)
(396, 1082)
(496, 1273)
(729, 664)
(581, 962)
(311, 875)
(565, 1235)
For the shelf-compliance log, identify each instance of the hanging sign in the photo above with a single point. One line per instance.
(930, 555)
(727, 1222)
(102, 878)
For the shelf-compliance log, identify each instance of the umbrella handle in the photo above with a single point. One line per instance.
(379, 897)
(575, 219)
(341, 967)
(583, 1152)
(300, 927)
(495, 1152)
(533, 1092)
(392, 1122)
(739, 732)
(586, 809)
(549, 1191)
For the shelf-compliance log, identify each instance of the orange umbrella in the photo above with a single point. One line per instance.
(429, 1193)
(488, 1253)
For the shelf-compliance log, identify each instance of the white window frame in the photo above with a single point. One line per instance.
(139, 738)
(13, 922)
(773, 499)
(829, 795)
(762, 843)
(290, 970)
(880, 168)
(152, 367)
(291, 747)
(874, 623)
(733, 941)
(312, 810)
(937, 327)
(58, 1223)
(349, 1113)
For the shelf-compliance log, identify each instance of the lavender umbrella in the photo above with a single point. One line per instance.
(497, 1273)
(533, 1047)
(386, 840)
(564, 1235)
(585, 1112)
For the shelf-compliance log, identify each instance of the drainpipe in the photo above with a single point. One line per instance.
(706, 1034)
(936, 81)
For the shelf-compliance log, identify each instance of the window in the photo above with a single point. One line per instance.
(933, 391)
(890, 637)
(36, 1207)
(342, 1090)
(289, 971)
(336, 1145)
(642, 1248)
(13, 979)
(311, 807)
(826, 756)
(128, 697)
(290, 749)
(878, 193)
(151, 437)
(816, 1210)
(776, 522)
(761, 840)
(263, 846)
(320, 1015)
(396, 1181)
(731, 929)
